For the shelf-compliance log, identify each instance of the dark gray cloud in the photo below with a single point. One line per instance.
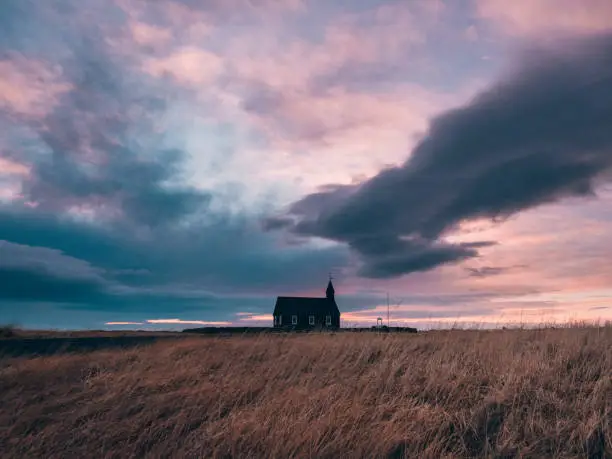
(110, 198)
(540, 135)
(192, 283)
(388, 256)
(274, 223)
(490, 271)
(227, 256)
(35, 273)
(486, 271)
(20, 284)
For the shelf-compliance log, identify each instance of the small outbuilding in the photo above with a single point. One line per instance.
(303, 313)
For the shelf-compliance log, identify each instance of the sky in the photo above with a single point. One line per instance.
(177, 163)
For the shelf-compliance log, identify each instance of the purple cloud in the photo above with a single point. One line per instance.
(537, 136)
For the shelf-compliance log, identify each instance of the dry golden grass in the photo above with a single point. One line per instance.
(511, 393)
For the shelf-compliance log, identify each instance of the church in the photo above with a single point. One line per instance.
(303, 313)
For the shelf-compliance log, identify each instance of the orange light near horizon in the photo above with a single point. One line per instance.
(248, 317)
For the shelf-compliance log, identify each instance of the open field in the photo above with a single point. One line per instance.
(14, 332)
(506, 393)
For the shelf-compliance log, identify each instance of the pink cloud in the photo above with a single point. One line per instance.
(544, 275)
(350, 119)
(197, 17)
(380, 34)
(261, 6)
(10, 193)
(148, 34)
(266, 84)
(535, 17)
(29, 88)
(573, 256)
(269, 87)
(248, 318)
(188, 65)
(10, 167)
(354, 134)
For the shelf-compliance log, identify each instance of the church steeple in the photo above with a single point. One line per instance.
(330, 292)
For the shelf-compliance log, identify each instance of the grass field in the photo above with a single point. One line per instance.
(506, 393)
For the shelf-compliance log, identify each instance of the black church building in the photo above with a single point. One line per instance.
(303, 313)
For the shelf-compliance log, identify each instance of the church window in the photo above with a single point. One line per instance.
(311, 320)
(293, 320)
(327, 320)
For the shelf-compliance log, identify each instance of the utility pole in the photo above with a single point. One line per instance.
(388, 323)
(395, 306)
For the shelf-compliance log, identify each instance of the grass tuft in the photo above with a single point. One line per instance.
(462, 393)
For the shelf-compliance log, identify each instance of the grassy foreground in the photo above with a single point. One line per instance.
(507, 393)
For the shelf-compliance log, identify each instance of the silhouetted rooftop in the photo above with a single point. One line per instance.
(296, 304)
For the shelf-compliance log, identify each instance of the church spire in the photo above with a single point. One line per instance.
(330, 292)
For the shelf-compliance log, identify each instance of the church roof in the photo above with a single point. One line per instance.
(295, 305)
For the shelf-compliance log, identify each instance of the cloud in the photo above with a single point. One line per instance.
(45, 259)
(29, 87)
(26, 285)
(124, 323)
(92, 162)
(187, 322)
(335, 92)
(541, 17)
(229, 9)
(328, 81)
(248, 317)
(486, 271)
(107, 187)
(189, 65)
(338, 117)
(147, 144)
(10, 167)
(538, 136)
(149, 34)
(172, 322)
(388, 257)
(42, 274)
(222, 255)
(38, 273)
(471, 33)
(274, 223)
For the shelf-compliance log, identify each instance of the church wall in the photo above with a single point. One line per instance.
(303, 321)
